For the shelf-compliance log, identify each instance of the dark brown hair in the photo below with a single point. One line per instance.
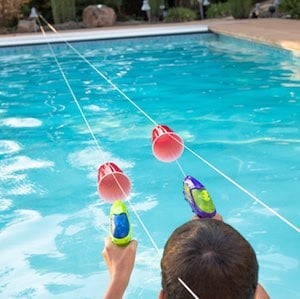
(212, 258)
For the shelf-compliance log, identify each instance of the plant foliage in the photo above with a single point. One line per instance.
(181, 14)
(217, 10)
(240, 9)
(9, 12)
(63, 11)
(291, 7)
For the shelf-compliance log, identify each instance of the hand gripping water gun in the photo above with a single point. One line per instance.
(198, 198)
(120, 228)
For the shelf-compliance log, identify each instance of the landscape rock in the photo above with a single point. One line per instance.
(3, 30)
(26, 26)
(98, 16)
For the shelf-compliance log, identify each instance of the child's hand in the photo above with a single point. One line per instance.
(120, 262)
(216, 217)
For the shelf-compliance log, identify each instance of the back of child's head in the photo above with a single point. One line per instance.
(212, 258)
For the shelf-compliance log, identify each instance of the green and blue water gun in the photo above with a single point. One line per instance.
(120, 227)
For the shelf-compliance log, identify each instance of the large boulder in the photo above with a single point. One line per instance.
(98, 16)
(26, 26)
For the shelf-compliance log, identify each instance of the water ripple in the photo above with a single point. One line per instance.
(94, 108)
(149, 203)
(15, 164)
(5, 204)
(278, 262)
(91, 159)
(15, 122)
(9, 147)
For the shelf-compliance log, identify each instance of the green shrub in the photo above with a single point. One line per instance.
(218, 10)
(63, 11)
(181, 14)
(240, 9)
(132, 7)
(9, 12)
(291, 7)
(42, 6)
(191, 4)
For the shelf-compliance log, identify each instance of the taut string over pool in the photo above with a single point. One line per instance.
(234, 103)
(154, 122)
(176, 140)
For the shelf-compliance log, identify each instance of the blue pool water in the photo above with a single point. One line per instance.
(235, 104)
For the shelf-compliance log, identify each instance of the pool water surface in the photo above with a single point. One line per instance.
(235, 103)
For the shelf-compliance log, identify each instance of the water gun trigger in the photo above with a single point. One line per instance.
(198, 198)
(120, 227)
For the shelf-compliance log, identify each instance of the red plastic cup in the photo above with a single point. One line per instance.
(113, 184)
(167, 146)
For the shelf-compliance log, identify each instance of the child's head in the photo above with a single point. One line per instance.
(212, 258)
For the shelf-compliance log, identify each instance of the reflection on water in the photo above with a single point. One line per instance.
(20, 163)
(9, 147)
(293, 68)
(20, 122)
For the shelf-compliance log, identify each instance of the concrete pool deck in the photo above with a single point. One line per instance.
(280, 33)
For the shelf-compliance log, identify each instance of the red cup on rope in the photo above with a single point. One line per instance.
(167, 146)
(113, 184)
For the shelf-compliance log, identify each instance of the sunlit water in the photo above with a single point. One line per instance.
(236, 104)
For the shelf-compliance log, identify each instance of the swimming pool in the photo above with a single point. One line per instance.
(234, 103)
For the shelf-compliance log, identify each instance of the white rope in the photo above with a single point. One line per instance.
(95, 139)
(178, 164)
(101, 74)
(188, 288)
(289, 223)
(243, 190)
